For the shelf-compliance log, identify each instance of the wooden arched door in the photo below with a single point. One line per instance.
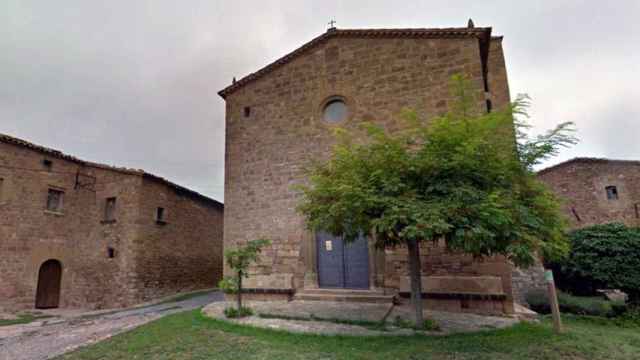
(49, 278)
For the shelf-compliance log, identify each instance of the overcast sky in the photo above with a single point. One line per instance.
(134, 83)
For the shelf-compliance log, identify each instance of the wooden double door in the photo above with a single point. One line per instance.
(340, 264)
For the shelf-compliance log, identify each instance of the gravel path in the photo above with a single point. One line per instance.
(50, 338)
(447, 322)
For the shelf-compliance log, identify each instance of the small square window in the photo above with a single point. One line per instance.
(54, 200)
(110, 209)
(612, 192)
(111, 252)
(247, 111)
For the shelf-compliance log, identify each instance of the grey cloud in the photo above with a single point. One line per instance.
(134, 83)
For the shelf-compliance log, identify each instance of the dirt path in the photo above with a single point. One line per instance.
(45, 340)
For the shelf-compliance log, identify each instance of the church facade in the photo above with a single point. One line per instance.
(282, 116)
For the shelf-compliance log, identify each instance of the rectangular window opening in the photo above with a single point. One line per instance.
(110, 209)
(54, 200)
(247, 111)
(160, 215)
(48, 164)
(1, 189)
(111, 252)
(612, 192)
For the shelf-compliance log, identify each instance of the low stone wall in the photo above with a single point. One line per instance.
(467, 294)
(261, 296)
(527, 280)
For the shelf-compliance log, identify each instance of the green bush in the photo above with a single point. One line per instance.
(631, 318)
(228, 285)
(232, 312)
(602, 257)
(579, 305)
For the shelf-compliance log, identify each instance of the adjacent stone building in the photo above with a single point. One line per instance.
(596, 191)
(80, 234)
(282, 116)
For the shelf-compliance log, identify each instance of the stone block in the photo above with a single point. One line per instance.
(271, 281)
(480, 285)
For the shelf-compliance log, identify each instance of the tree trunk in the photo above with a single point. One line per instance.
(416, 281)
(239, 292)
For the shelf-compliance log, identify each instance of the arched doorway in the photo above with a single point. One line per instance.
(49, 278)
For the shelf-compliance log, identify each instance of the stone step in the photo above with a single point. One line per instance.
(344, 296)
(324, 291)
(524, 313)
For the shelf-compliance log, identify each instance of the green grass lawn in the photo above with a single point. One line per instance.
(190, 335)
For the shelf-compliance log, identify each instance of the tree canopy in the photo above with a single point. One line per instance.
(465, 177)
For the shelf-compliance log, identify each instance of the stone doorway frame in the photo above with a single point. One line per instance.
(310, 262)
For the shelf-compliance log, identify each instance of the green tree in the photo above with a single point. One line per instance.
(602, 257)
(239, 260)
(461, 177)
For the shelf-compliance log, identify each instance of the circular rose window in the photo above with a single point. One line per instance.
(334, 111)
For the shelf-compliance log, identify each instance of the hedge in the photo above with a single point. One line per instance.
(601, 257)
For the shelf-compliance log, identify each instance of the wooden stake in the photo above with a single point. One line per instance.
(553, 300)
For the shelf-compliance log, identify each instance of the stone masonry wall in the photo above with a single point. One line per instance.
(182, 254)
(267, 150)
(30, 235)
(581, 185)
(526, 281)
(149, 260)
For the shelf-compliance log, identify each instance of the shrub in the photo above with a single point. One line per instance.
(538, 302)
(239, 260)
(602, 257)
(595, 306)
(232, 312)
(631, 318)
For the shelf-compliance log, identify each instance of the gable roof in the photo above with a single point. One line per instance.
(138, 172)
(587, 160)
(481, 33)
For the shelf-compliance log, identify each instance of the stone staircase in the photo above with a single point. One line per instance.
(344, 295)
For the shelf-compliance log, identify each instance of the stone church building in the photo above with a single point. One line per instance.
(281, 116)
(80, 234)
(596, 191)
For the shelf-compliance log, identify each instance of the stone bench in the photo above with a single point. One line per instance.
(489, 287)
(268, 287)
(478, 294)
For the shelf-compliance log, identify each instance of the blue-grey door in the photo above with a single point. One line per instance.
(342, 265)
(356, 264)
